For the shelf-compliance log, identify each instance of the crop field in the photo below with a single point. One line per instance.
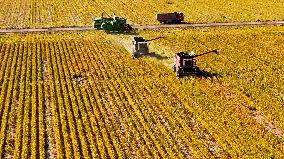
(72, 95)
(54, 13)
(250, 61)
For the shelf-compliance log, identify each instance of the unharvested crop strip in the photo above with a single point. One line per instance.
(88, 119)
(103, 96)
(21, 106)
(9, 146)
(3, 63)
(7, 108)
(97, 94)
(34, 106)
(66, 119)
(90, 8)
(146, 139)
(55, 11)
(2, 52)
(137, 114)
(5, 73)
(96, 130)
(115, 152)
(72, 18)
(54, 105)
(38, 14)
(83, 148)
(16, 10)
(42, 136)
(114, 139)
(50, 145)
(26, 140)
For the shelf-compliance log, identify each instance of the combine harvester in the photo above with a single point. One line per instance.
(141, 46)
(185, 64)
(115, 24)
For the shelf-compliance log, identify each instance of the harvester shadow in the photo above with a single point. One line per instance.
(204, 74)
(157, 56)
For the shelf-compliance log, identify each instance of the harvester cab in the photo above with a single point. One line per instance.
(141, 46)
(185, 63)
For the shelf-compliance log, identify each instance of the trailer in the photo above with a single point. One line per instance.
(175, 17)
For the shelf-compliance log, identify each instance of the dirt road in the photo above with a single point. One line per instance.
(146, 27)
(211, 25)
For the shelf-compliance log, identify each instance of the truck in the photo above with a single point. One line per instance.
(167, 18)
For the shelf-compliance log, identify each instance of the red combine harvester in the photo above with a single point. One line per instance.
(185, 64)
(176, 17)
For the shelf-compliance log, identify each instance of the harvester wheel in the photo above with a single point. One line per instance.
(134, 55)
(174, 68)
(178, 72)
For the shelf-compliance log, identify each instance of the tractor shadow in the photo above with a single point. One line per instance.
(156, 56)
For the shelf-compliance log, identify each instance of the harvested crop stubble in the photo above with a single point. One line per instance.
(250, 64)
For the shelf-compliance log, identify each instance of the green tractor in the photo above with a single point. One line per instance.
(115, 24)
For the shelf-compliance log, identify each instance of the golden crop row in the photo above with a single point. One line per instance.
(105, 104)
(51, 13)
